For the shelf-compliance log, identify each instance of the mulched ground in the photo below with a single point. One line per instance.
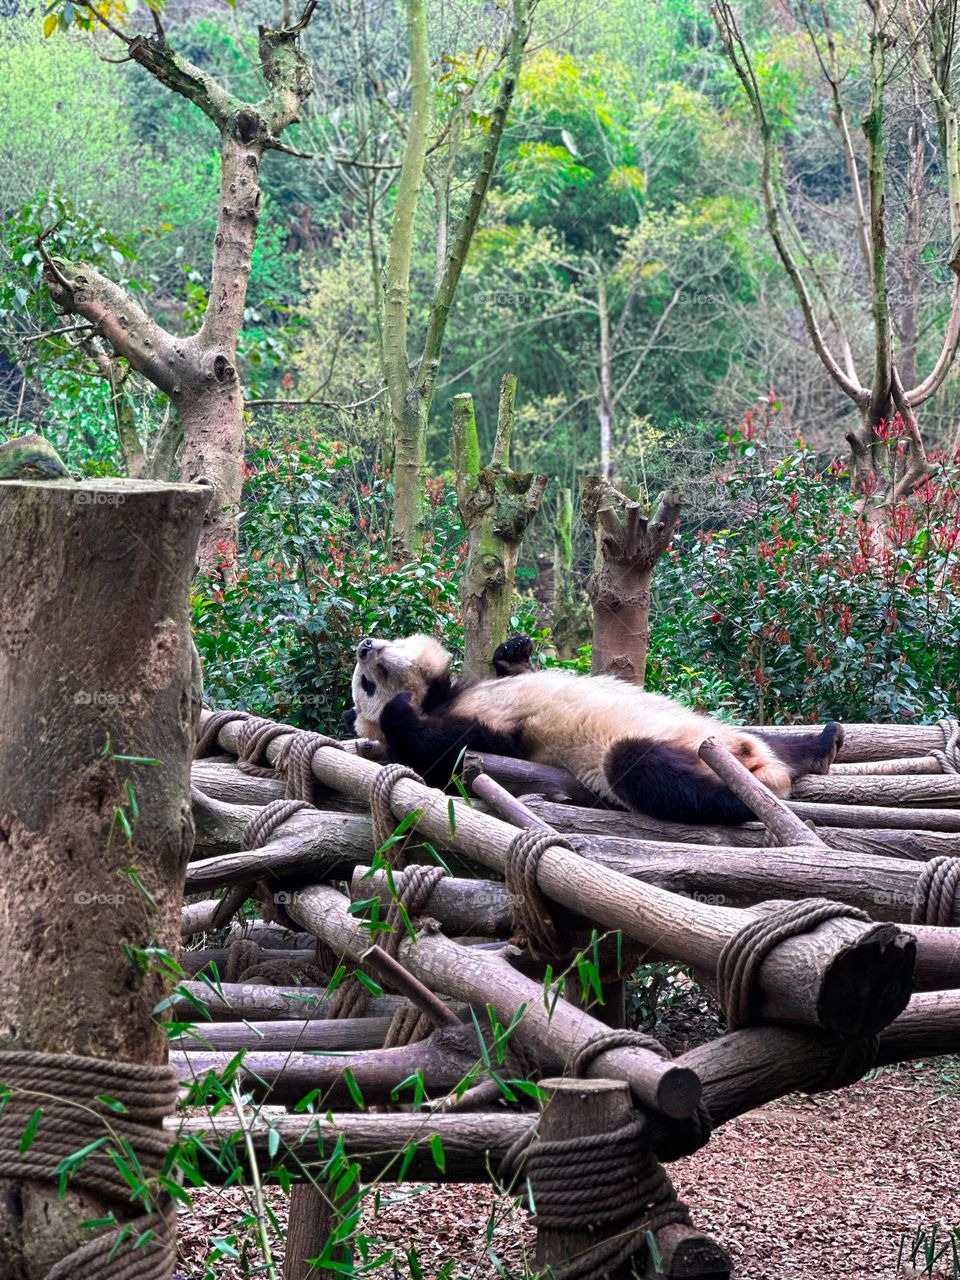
(802, 1188)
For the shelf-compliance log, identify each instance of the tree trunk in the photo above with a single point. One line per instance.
(568, 622)
(495, 505)
(199, 373)
(98, 678)
(605, 403)
(628, 547)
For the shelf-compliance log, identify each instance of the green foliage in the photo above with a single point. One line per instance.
(317, 574)
(805, 607)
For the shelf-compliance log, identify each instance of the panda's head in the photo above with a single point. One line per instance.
(388, 667)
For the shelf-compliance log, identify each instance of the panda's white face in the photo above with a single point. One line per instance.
(388, 667)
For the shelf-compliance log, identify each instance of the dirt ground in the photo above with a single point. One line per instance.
(805, 1187)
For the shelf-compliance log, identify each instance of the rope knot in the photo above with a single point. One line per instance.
(381, 808)
(533, 925)
(935, 895)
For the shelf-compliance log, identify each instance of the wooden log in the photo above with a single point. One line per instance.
(737, 877)
(331, 1035)
(522, 776)
(100, 690)
(216, 780)
(231, 1001)
(478, 907)
(474, 1143)
(580, 1109)
(862, 817)
(195, 962)
(906, 764)
(312, 1218)
(197, 917)
(311, 843)
(743, 1070)
(554, 1034)
(905, 790)
(731, 877)
(847, 976)
(938, 958)
(873, 741)
(587, 822)
(769, 808)
(286, 1078)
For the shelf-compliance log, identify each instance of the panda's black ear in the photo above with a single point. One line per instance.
(349, 719)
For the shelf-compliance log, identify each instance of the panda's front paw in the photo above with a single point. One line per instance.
(398, 713)
(513, 656)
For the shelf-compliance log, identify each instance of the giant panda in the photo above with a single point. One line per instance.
(634, 749)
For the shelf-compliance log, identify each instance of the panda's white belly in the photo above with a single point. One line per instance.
(572, 721)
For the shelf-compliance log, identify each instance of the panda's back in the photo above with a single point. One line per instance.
(573, 720)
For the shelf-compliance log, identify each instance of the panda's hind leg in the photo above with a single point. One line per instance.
(670, 784)
(806, 752)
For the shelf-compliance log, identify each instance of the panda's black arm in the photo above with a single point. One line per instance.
(433, 744)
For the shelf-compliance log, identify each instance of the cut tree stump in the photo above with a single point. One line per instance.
(100, 689)
(629, 543)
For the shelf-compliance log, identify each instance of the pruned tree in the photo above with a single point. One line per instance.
(629, 543)
(495, 505)
(411, 385)
(923, 36)
(199, 372)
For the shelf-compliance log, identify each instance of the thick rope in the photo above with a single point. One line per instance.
(414, 887)
(935, 895)
(606, 1179)
(742, 957)
(73, 1118)
(533, 925)
(297, 759)
(949, 757)
(381, 809)
(676, 1137)
(265, 822)
(207, 740)
(253, 738)
(603, 1041)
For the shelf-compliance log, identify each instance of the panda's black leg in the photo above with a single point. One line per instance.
(512, 658)
(806, 752)
(671, 785)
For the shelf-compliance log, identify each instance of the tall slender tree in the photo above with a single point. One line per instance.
(924, 37)
(411, 384)
(199, 372)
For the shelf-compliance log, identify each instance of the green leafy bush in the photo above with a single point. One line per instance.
(317, 573)
(809, 604)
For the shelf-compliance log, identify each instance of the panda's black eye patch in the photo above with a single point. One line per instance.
(368, 687)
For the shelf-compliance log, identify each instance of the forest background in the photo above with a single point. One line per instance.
(622, 268)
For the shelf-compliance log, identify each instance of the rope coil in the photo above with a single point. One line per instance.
(74, 1118)
(533, 925)
(743, 954)
(948, 757)
(381, 808)
(612, 1179)
(935, 895)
